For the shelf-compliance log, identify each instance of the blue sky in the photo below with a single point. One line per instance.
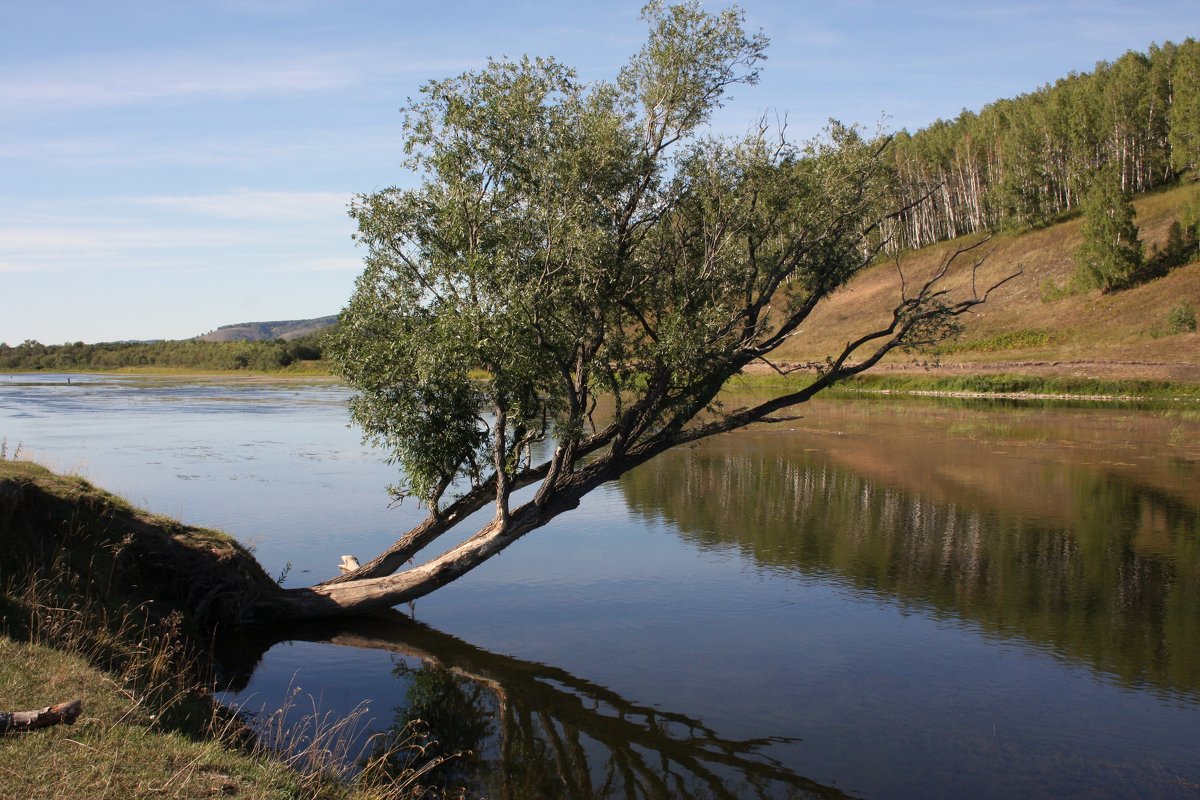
(169, 166)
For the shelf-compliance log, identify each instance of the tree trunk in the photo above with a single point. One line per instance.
(369, 595)
(373, 594)
(57, 714)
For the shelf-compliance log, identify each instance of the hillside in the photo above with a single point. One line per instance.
(1123, 335)
(261, 331)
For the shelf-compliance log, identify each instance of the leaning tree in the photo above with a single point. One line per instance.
(570, 241)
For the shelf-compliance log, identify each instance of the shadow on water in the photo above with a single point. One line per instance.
(1078, 534)
(529, 730)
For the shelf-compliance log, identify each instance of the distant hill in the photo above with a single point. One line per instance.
(260, 331)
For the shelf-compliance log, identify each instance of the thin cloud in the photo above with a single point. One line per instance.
(125, 81)
(331, 264)
(16, 266)
(189, 232)
(140, 78)
(136, 149)
(45, 247)
(246, 204)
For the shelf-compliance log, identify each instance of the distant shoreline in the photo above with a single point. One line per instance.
(240, 376)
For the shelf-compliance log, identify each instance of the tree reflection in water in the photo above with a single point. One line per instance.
(1024, 525)
(441, 731)
(527, 730)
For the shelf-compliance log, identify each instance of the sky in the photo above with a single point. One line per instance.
(170, 166)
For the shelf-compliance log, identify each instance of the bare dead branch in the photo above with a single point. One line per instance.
(57, 714)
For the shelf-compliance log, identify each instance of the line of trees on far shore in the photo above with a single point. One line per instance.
(189, 354)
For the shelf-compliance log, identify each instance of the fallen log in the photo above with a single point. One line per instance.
(57, 714)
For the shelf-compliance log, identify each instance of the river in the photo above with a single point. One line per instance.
(886, 598)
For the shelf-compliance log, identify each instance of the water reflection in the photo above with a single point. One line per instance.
(442, 728)
(1090, 549)
(529, 730)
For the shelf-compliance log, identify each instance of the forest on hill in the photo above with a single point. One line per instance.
(1026, 160)
(261, 331)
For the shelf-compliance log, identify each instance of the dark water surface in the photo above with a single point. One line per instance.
(885, 598)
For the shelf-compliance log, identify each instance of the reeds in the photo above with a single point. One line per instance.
(328, 750)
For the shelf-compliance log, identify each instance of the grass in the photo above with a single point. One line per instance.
(981, 384)
(150, 726)
(1010, 340)
(1124, 328)
(1057, 386)
(131, 742)
(115, 750)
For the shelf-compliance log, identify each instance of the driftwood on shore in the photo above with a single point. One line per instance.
(57, 714)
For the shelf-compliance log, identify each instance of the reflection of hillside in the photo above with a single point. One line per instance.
(1021, 527)
(556, 735)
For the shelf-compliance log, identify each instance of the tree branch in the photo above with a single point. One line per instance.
(57, 714)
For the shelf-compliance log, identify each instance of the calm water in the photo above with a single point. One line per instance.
(885, 598)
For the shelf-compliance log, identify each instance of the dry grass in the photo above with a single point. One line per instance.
(119, 748)
(114, 750)
(1122, 334)
(150, 726)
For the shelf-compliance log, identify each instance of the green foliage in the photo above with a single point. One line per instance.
(1185, 110)
(1111, 254)
(266, 356)
(1180, 249)
(1189, 220)
(572, 239)
(1182, 319)
(1190, 217)
(1026, 161)
(1010, 340)
(1177, 249)
(1053, 292)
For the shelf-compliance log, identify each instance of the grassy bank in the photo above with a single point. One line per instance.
(1003, 385)
(982, 385)
(221, 356)
(117, 748)
(98, 601)
(1029, 384)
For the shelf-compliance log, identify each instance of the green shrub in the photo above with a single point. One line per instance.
(1052, 292)
(1010, 340)
(1182, 319)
